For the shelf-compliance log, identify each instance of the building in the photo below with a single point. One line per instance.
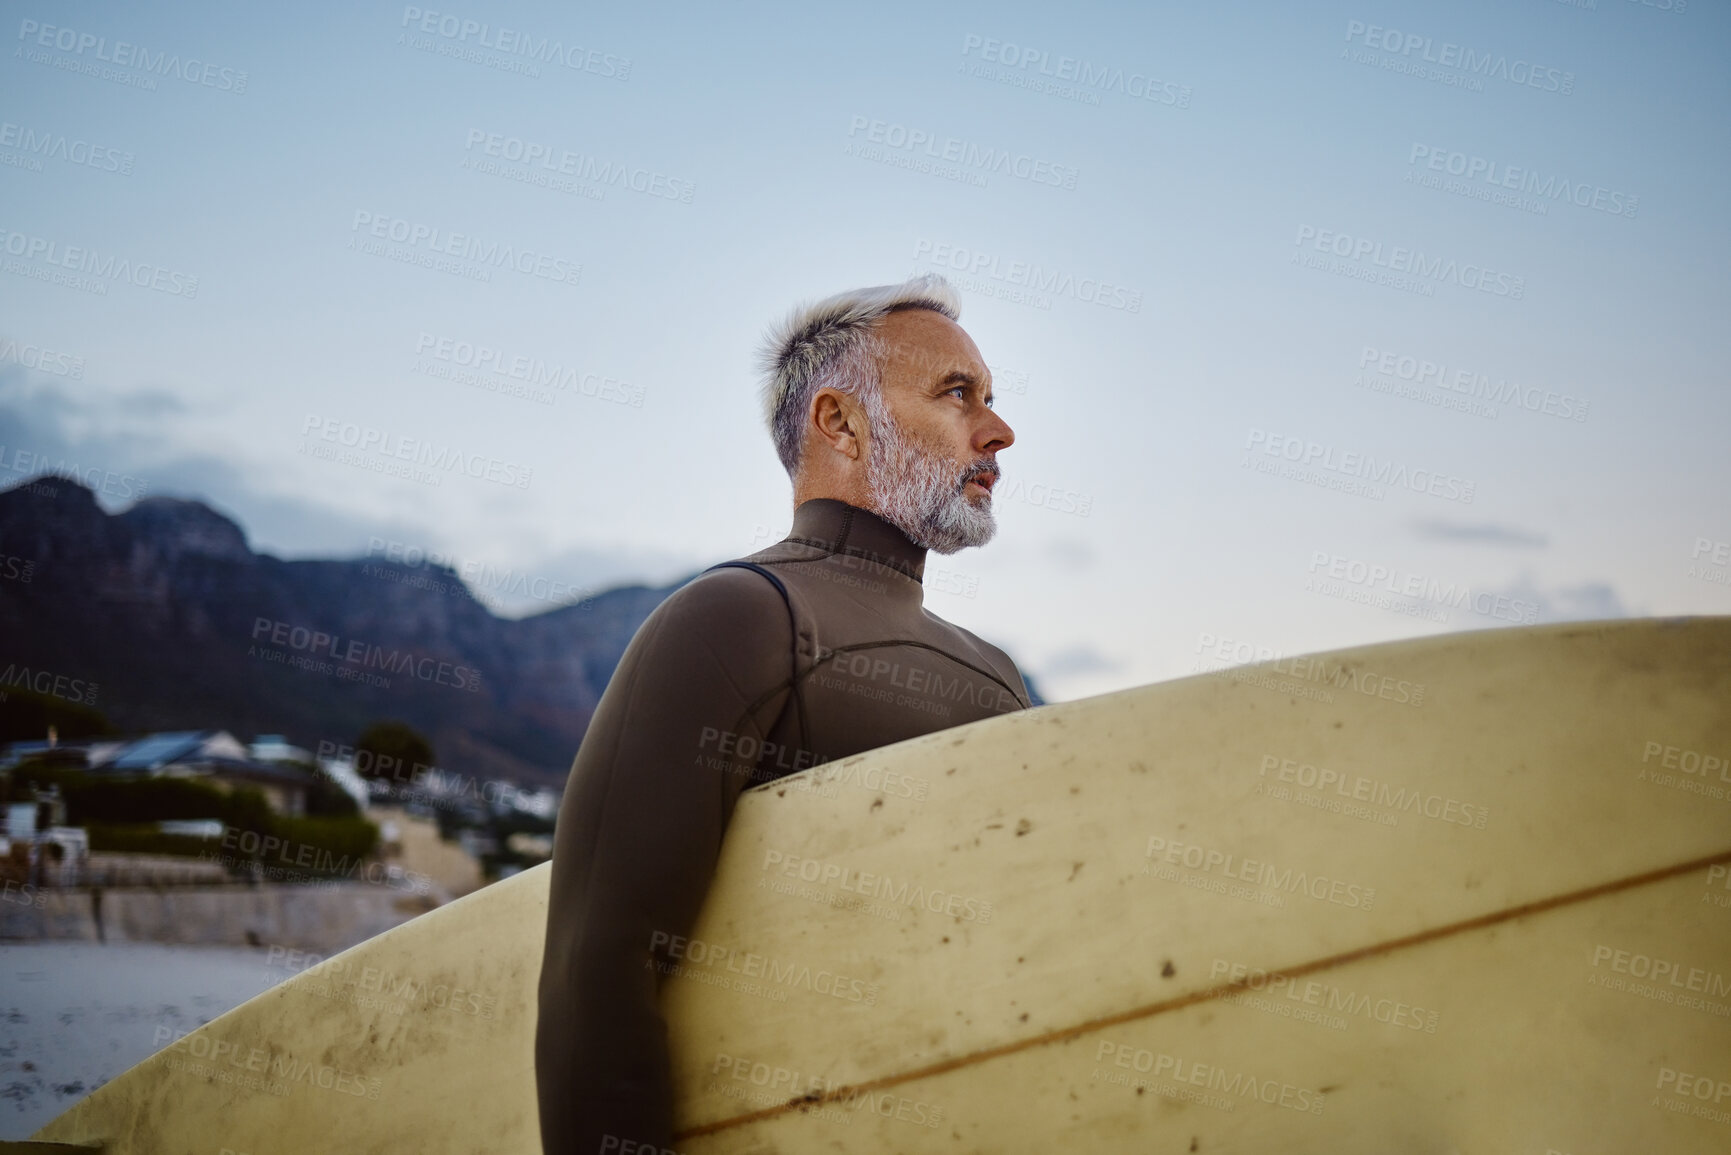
(213, 756)
(38, 846)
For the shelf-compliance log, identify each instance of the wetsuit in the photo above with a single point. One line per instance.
(741, 676)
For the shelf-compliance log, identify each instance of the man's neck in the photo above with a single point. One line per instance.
(844, 528)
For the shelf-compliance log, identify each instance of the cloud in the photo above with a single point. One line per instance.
(133, 437)
(1585, 601)
(150, 403)
(1077, 660)
(59, 429)
(582, 570)
(1482, 533)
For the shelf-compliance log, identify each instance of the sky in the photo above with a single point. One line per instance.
(1318, 325)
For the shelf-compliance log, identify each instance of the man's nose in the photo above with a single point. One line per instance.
(994, 435)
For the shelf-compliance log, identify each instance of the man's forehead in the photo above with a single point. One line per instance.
(927, 345)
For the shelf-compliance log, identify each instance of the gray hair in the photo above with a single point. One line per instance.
(832, 344)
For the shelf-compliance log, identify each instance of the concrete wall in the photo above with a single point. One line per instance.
(418, 848)
(324, 919)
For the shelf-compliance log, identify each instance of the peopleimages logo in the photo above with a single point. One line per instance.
(1686, 1087)
(1359, 788)
(48, 683)
(1373, 576)
(1191, 1073)
(485, 581)
(1327, 997)
(1359, 467)
(417, 780)
(1413, 49)
(367, 985)
(470, 363)
(40, 358)
(429, 241)
(17, 569)
(988, 269)
(782, 1084)
(48, 145)
(1352, 676)
(1498, 176)
(1677, 974)
(91, 269)
(391, 448)
(580, 166)
(967, 154)
(1718, 555)
(1075, 78)
(463, 32)
(1259, 873)
(1413, 263)
(1472, 384)
(361, 655)
(747, 964)
(879, 886)
(106, 482)
(125, 55)
(269, 1061)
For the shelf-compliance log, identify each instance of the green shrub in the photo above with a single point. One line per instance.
(121, 814)
(352, 838)
(325, 799)
(130, 839)
(26, 715)
(392, 750)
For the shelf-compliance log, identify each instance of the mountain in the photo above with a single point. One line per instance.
(168, 619)
(178, 624)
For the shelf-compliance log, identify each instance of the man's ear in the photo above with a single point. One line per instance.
(838, 420)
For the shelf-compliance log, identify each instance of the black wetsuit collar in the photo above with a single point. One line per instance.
(837, 527)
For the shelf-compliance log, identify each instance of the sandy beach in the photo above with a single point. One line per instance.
(74, 1015)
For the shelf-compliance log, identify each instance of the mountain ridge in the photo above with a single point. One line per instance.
(167, 609)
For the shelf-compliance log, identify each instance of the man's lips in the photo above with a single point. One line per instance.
(985, 480)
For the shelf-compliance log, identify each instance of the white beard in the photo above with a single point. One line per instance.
(924, 494)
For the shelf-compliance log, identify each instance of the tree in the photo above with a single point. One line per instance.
(392, 751)
(25, 716)
(325, 799)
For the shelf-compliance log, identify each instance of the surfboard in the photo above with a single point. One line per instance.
(1465, 893)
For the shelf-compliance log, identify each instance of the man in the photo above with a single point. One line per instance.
(814, 649)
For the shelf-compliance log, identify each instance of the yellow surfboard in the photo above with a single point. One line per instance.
(1469, 893)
